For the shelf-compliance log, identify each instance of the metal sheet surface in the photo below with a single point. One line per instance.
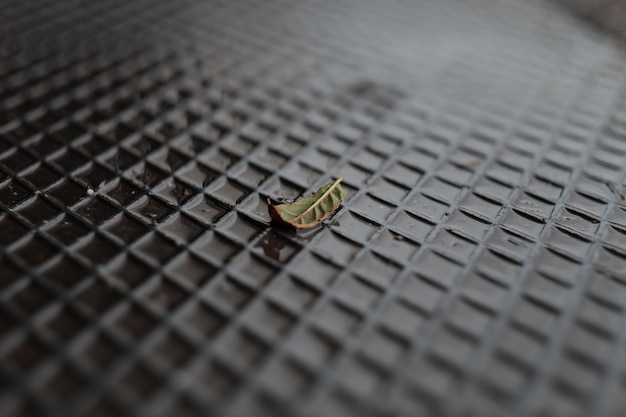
(476, 268)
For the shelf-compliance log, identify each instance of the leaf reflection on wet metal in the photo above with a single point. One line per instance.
(272, 245)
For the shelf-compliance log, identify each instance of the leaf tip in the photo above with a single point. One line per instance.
(273, 211)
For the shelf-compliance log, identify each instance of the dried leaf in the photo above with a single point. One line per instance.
(311, 210)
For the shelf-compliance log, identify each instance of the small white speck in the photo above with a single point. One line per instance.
(90, 192)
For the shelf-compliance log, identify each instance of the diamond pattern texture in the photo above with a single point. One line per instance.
(476, 268)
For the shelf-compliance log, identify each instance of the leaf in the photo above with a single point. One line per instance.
(310, 210)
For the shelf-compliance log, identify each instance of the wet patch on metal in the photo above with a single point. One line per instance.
(476, 265)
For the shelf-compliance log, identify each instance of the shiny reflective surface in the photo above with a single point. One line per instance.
(476, 266)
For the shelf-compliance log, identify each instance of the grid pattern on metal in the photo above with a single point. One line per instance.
(477, 266)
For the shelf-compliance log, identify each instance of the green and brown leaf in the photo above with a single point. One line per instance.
(311, 210)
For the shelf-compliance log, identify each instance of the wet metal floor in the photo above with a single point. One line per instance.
(476, 268)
